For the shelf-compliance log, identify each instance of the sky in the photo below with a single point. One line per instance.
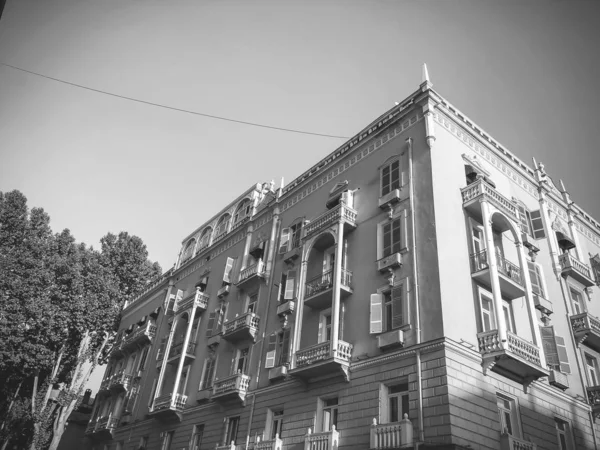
(525, 71)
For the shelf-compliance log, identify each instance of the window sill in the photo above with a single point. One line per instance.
(392, 197)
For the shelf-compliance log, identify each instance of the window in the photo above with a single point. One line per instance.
(595, 264)
(329, 414)
(222, 225)
(563, 432)
(204, 238)
(241, 361)
(143, 358)
(183, 379)
(486, 305)
(591, 365)
(153, 391)
(537, 224)
(389, 308)
(295, 235)
(524, 218)
(537, 280)
(391, 237)
(390, 177)
(167, 439)
(252, 301)
(324, 326)
(188, 252)
(208, 373)
(508, 316)
(394, 402)
(555, 350)
(274, 424)
(287, 288)
(197, 437)
(576, 301)
(243, 211)
(143, 442)
(278, 349)
(231, 430)
(507, 411)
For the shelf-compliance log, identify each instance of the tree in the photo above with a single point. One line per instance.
(60, 309)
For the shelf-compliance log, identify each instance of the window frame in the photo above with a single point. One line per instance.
(322, 409)
(167, 440)
(393, 184)
(493, 317)
(240, 356)
(228, 430)
(197, 432)
(580, 302)
(251, 299)
(207, 379)
(402, 245)
(323, 326)
(513, 413)
(273, 423)
(276, 348)
(385, 395)
(565, 432)
(591, 370)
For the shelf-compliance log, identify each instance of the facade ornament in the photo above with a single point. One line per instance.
(391, 276)
(390, 211)
(546, 320)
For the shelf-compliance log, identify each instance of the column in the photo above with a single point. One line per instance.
(272, 250)
(337, 278)
(159, 383)
(493, 265)
(186, 342)
(247, 246)
(574, 235)
(300, 304)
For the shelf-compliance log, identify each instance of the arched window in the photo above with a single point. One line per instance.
(222, 225)
(243, 210)
(189, 250)
(205, 238)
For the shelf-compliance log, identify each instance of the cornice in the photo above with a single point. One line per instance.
(149, 292)
(426, 347)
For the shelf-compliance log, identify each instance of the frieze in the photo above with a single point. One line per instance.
(375, 145)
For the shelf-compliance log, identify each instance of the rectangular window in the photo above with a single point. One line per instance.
(397, 402)
(507, 410)
(208, 373)
(591, 365)
(376, 313)
(576, 301)
(197, 437)
(391, 237)
(231, 430)
(284, 242)
(275, 424)
(252, 301)
(153, 391)
(144, 442)
(390, 177)
(278, 349)
(508, 316)
(242, 361)
(555, 350)
(211, 323)
(228, 272)
(282, 284)
(167, 440)
(324, 326)
(295, 235)
(535, 274)
(329, 414)
(537, 224)
(290, 285)
(524, 218)
(487, 311)
(563, 432)
(143, 358)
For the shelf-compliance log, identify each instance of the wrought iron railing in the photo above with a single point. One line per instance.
(324, 281)
(489, 342)
(479, 261)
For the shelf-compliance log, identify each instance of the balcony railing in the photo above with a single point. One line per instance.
(510, 275)
(170, 401)
(481, 188)
(331, 217)
(232, 386)
(586, 329)
(516, 357)
(593, 394)
(143, 333)
(91, 427)
(241, 327)
(391, 435)
(324, 282)
(320, 352)
(325, 440)
(120, 381)
(107, 423)
(271, 444)
(508, 442)
(255, 270)
(571, 266)
(199, 298)
(177, 350)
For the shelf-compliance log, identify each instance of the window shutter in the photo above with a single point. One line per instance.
(563, 359)
(404, 169)
(397, 306)
(549, 346)
(376, 323)
(533, 275)
(143, 358)
(228, 270)
(285, 240)
(403, 229)
(220, 318)
(537, 224)
(321, 336)
(540, 279)
(285, 346)
(211, 324)
(290, 284)
(271, 351)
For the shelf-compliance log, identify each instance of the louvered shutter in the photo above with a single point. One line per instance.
(537, 224)
(227, 273)
(397, 306)
(284, 241)
(540, 279)
(533, 275)
(563, 359)
(271, 351)
(549, 345)
(211, 324)
(290, 284)
(376, 314)
(285, 347)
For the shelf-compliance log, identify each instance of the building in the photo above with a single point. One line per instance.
(419, 286)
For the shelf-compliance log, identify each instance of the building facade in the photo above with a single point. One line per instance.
(420, 286)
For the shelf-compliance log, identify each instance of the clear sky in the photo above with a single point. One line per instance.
(526, 71)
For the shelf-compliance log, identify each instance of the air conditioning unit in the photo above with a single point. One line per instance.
(558, 379)
(389, 262)
(390, 198)
(391, 339)
(223, 291)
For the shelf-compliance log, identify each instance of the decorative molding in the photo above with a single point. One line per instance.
(402, 353)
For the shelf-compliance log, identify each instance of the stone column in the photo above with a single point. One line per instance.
(337, 281)
(247, 246)
(299, 304)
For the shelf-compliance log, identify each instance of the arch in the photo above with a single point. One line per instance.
(205, 236)
(188, 251)
(505, 224)
(242, 210)
(222, 224)
(318, 242)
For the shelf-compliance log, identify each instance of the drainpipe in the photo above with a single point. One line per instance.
(411, 196)
(269, 283)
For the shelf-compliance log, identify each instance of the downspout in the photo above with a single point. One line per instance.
(269, 283)
(411, 191)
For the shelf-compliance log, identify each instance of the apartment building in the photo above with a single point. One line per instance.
(418, 287)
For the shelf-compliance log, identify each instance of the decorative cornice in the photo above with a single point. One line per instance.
(399, 354)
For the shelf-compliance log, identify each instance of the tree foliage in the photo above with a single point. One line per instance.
(59, 308)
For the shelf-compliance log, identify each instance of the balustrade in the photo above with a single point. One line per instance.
(233, 385)
(509, 442)
(331, 217)
(480, 188)
(391, 435)
(571, 266)
(257, 269)
(199, 298)
(241, 327)
(325, 440)
(320, 352)
(271, 444)
(586, 329)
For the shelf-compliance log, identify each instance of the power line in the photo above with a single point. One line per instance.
(210, 116)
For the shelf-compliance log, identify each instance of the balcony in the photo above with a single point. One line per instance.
(508, 442)
(325, 440)
(224, 291)
(104, 387)
(586, 329)
(593, 394)
(251, 274)
(241, 328)
(233, 387)
(318, 292)
(102, 428)
(271, 444)
(232, 446)
(542, 304)
(120, 382)
(389, 436)
(481, 190)
(341, 212)
(286, 308)
(572, 267)
(318, 360)
(516, 358)
(196, 298)
(511, 280)
(177, 350)
(169, 406)
(141, 336)
(91, 427)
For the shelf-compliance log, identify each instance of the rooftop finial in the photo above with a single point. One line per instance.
(425, 74)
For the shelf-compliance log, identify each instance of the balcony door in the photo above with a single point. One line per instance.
(486, 307)
(478, 244)
(183, 380)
